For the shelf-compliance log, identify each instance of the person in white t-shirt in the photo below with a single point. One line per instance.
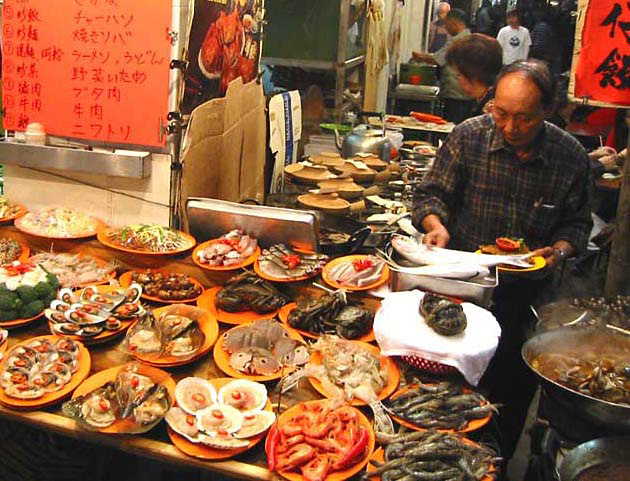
(514, 39)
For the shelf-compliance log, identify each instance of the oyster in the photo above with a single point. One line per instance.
(243, 395)
(183, 423)
(132, 389)
(194, 394)
(172, 325)
(96, 409)
(144, 337)
(217, 419)
(254, 423)
(68, 345)
(46, 380)
(154, 407)
(62, 372)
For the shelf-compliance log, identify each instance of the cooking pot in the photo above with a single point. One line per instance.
(612, 416)
(610, 451)
(366, 138)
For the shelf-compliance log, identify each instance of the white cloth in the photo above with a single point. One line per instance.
(515, 43)
(400, 330)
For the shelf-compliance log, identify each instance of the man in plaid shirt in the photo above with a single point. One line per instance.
(510, 173)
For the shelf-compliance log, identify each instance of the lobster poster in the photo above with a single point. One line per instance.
(224, 44)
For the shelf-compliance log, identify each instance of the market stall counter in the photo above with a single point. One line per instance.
(154, 444)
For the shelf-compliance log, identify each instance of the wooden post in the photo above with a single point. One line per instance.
(618, 278)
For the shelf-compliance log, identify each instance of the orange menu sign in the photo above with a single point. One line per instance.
(88, 69)
(602, 71)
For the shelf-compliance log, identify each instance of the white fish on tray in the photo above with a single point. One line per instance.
(449, 263)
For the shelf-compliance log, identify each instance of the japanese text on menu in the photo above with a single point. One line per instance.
(603, 69)
(87, 69)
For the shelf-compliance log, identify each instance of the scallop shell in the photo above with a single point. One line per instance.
(253, 395)
(183, 424)
(223, 442)
(230, 419)
(254, 423)
(188, 387)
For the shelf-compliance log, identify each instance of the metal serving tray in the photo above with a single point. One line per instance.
(478, 289)
(211, 218)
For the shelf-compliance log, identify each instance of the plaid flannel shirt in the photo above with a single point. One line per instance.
(480, 190)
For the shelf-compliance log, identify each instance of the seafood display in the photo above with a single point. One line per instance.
(10, 250)
(355, 271)
(58, 222)
(331, 314)
(134, 401)
(283, 263)
(432, 455)
(262, 348)
(148, 238)
(441, 314)
(596, 373)
(248, 292)
(74, 269)
(167, 286)
(25, 290)
(38, 367)
(347, 369)
(202, 417)
(231, 249)
(8, 210)
(318, 438)
(446, 405)
(452, 263)
(170, 335)
(614, 310)
(90, 313)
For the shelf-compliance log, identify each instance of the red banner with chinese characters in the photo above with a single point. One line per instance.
(88, 69)
(602, 71)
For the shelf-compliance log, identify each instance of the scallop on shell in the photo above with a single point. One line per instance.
(194, 394)
(183, 423)
(244, 395)
(218, 419)
(254, 423)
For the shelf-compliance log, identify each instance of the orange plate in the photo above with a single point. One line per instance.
(98, 227)
(51, 398)
(393, 374)
(20, 322)
(199, 450)
(17, 215)
(250, 260)
(100, 262)
(103, 238)
(3, 347)
(336, 475)
(125, 281)
(284, 312)
(379, 457)
(103, 377)
(333, 263)
(222, 360)
(206, 301)
(276, 279)
(472, 425)
(208, 325)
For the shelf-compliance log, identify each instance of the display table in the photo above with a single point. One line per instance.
(155, 444)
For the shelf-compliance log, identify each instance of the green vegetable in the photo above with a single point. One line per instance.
(31, 309)
(26, 293)
(7, 300)
(44, 290)
(8, 315)
(53, 281)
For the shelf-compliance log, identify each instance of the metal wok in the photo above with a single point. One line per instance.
(611, 451)
(612, 416)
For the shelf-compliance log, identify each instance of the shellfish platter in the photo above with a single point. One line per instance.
(280, 263)
(163, 286)
(129, 399)
(172, 336)
(263, 350)
(338, 441)
(76, 270)
(231, 251)
(218, 418)
(41, 371)
(356, 272)
(94, 314)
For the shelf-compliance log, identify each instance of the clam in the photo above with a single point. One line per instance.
(243, 395)
(54, 315)
(217, 419)
(254, 423)
(58, 305)
(194, 394)
(81, 317)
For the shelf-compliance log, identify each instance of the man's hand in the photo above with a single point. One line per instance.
(549, 252)
(436, 233)
(600, 152)
(609, 162)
